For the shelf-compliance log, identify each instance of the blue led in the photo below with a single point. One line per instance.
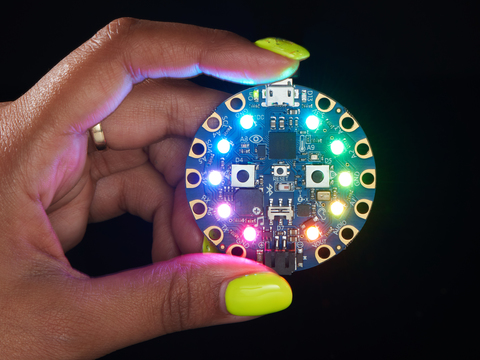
(223, 146)
(246, 121)
(215, 177)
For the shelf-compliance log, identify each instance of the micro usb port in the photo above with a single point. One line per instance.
(281, 93)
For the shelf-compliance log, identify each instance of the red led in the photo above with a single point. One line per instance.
(249, 233)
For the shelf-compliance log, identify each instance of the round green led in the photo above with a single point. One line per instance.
(345, 178)
(312, 122)
(337, 147)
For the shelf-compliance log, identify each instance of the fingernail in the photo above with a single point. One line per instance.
(257, 294)
(283, 47)
(208, 246)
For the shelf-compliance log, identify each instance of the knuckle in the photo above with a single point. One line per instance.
(219, 35)
(223, 39)
(186, 299)
(120, 27)
(175, 314)
(112, 35)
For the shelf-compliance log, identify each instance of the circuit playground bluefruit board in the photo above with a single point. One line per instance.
(281, 174)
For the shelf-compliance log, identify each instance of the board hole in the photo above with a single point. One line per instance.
(238, 251)
(324, 103)
(214, 234)
(347, 233)
(363, 149)
(193, 178)
(213, 122)
(362, 207)
(347, 123)
(236, 103)
(368, 178)
(324, 252)
(198, 208)
(198, 149)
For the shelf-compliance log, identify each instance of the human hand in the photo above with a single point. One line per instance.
(53, 183)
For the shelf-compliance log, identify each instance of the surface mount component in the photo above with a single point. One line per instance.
(281, 174)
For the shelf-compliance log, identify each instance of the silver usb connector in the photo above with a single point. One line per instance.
(280, 93)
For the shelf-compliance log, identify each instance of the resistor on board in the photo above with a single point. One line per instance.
(210, 159)
(273, 122)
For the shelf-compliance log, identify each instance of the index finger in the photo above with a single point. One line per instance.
(92, 81)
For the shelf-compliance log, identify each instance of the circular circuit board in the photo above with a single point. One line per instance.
(280, 174)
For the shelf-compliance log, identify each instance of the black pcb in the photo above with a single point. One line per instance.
(248, 202)
(282, 145)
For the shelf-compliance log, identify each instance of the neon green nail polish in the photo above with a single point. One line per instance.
(258, 294)
(208, 246)
(283, 47)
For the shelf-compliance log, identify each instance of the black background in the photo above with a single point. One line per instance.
(408, 72)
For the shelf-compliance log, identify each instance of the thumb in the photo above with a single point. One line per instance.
(187, 292)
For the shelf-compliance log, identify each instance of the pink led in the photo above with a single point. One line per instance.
(249, 233)
(224, 211)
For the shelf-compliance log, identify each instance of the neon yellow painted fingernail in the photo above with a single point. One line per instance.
(258, 294)
(208, 246)
(283, 47)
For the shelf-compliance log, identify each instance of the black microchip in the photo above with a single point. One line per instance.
(248, 202)
(303, 210)
(282, 145)
(261, 151)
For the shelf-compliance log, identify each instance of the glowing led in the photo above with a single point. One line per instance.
(345, 178)
(256, 94)
(215, 177)
(249, 233)
(312, 122)
(224, 211)
(337, 208)
(337, 147)
(312, 233)
(246, 121)
(223, 146)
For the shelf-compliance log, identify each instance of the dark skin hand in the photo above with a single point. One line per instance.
(131, 77)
